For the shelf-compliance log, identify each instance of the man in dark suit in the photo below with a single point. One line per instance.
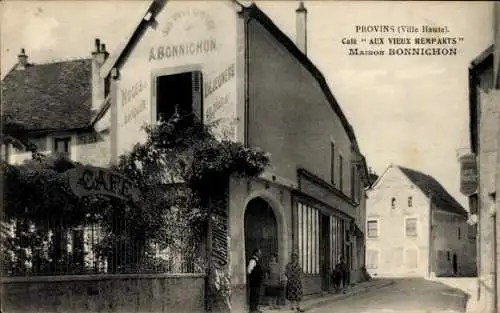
(255, 275)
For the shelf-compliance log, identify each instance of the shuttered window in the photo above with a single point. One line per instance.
(197, 95)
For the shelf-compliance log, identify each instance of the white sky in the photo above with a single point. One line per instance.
(411, 111)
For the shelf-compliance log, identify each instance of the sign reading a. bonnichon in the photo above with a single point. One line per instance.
(468, 174)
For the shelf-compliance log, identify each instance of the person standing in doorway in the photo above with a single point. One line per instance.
(337, 277)
(255, 275)
(295, 276)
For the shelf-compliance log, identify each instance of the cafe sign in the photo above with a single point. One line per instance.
(89, 180)
(468, 174)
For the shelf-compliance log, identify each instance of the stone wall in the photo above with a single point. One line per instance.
(172, 293)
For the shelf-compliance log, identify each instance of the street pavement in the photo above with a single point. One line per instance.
(411, 295)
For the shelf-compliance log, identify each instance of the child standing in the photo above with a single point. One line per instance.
(275, 281)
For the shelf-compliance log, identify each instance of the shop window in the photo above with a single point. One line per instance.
(337, 227)
(308, 238)
(181, 93)
(62, 146)
(372, 229)
(411, 227)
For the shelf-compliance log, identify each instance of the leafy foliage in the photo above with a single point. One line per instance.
(181, 170)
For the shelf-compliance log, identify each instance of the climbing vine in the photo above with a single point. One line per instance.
(182, 171)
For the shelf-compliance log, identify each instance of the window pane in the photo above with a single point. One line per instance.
(411, 227)
(372, 229)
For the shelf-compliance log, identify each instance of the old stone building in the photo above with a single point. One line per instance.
(416, 228)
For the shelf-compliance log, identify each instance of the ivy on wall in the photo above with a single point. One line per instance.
(183, 173)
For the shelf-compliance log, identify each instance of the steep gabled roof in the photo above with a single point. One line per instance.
(49, 97)
(152, 9)
(251, 11)
(433, 189)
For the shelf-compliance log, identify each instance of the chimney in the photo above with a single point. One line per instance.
(22, 60)
(99, 56)
(301, 28)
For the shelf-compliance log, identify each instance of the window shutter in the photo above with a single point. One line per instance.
(197, 95)
(220, 233)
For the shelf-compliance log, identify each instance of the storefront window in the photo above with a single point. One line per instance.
(308, 238)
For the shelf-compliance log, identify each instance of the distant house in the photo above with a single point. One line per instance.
(56, 104)
(416, 228)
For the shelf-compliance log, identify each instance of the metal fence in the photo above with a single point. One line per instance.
(29, 250)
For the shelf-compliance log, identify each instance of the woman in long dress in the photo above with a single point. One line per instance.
(295, 276)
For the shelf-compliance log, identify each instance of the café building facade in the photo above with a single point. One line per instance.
(230, 65)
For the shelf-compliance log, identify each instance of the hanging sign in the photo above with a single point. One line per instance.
(468, 175)
(90, 180)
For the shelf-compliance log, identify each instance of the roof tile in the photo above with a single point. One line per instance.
(53, 96)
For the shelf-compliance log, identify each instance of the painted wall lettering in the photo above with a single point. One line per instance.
(134, 112)
(184, 49)
(200, 14)
(212, 110)
(128, 94)
(219, 80)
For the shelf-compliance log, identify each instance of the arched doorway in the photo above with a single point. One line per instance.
(261, 230)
